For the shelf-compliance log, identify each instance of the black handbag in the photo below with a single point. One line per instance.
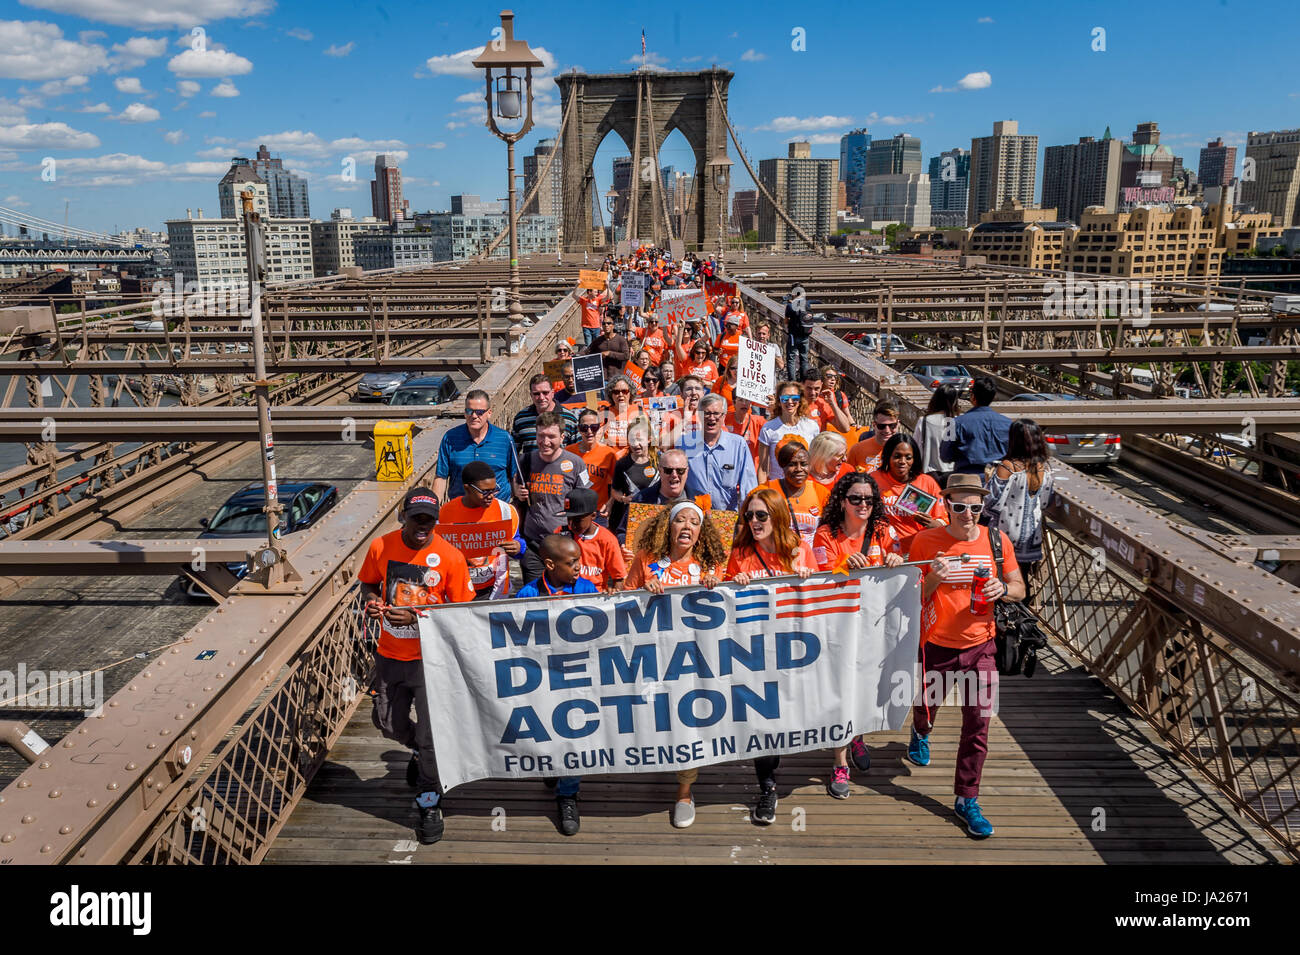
(1017, 634)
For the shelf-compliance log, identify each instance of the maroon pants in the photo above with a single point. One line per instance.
(975, 672)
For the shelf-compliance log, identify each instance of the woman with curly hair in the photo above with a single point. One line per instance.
(854, 535)
(680, 546)
(621, 413)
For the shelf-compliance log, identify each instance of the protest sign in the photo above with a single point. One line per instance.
(592, 278)
(475, 540)
(556, 369)
(631, 296)
(634, 683)
(634, 373)
(755, 371)
(588, 373)
(682, 305)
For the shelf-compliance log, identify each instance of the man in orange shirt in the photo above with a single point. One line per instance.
(820, 408)
(593, 307)
(958, 634)
(728, 344)
(865, 455)
(653, 339)
(602, 558)
(600, 458)
(410, 567)
(490, 575)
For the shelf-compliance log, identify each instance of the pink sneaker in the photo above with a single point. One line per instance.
(839, 784)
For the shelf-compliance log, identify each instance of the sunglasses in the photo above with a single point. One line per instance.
(857, 500)
(673, 470)
(760, 516)
(476, 412)
(892, 426)
(789, 399)
(588, 428)
(963, 508)
(654, 378)
(621, 391)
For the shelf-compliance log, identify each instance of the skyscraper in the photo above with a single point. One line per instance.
(550, 196)
(744, 211)
(1147, 169)
(949, 186)
(1216, 164)
(1270, 177)
(890, 157)
(386, 189)
(806, 188)
(1002, 166)
(853, 164)
(286, 192)
(1080, 175)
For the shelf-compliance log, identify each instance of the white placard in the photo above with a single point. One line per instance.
(682, 305)
(756, 371)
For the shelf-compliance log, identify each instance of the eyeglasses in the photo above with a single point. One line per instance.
(857, 500)
(588, 428)
(673, 470)
(713, 414)
(486, 495)
(963, 508)
(788, 399)
(891, 426)
(476, 412)
(620, 391)
(760, 516)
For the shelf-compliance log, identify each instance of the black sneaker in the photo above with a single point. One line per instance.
(765, 810)
(413, 771)
(570, 822)
(429, 829)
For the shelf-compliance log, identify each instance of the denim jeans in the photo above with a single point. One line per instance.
(589, 335)
(568, 785)
(796, 356)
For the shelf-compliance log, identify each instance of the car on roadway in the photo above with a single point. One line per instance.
(1097, 448)
(305, 503)
(874, 344)
(380, 385)
(932, 376)
(429, 390)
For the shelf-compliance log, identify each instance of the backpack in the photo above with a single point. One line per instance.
(1017, 635)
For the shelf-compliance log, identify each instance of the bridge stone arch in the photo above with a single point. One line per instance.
(643, 108)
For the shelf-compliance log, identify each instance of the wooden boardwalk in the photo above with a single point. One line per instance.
(1071, 778)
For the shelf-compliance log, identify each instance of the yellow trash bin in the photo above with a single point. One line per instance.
(393, 453)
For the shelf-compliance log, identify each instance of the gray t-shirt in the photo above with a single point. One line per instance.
(549, 483)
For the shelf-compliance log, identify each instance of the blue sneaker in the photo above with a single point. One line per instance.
(976, 824)
(918, 749)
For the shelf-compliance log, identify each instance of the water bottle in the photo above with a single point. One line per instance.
(979, 604)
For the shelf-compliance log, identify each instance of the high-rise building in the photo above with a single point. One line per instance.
(1147, 169)
(899, 154)
(1270, 176)
(744, 211)
(210, 252)
(897, 197)
(464, 234)
(806, 189)
(1081, 175)
(1216, 164)
(949, 186)
(1002, 166)
(241, 178)
(398, 247)
(549, 200)
(386, 190)
(333, 241)
(286, 192)
(853, 164)
(467, 205)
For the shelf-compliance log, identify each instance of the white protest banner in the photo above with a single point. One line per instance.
(634, 683)
(682, 305)
(755, 371)
(631, 296)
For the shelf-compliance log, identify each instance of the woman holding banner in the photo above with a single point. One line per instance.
(679, 547)
(804, 498)
(854, 535)
(908, 512)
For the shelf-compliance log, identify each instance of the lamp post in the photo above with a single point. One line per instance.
(720, 175)
(514, 101)
(611, 203)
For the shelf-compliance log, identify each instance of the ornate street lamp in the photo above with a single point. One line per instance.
(514, 101)
(720, 175)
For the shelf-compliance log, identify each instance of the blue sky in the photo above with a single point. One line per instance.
(141, 124)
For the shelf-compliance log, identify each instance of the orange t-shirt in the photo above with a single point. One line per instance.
(758, 561)
(484, 572)
(845, 468)
(820, 410)
(946, 618)
(728, 346)
(600, 465)
(865, 455)
(655, 343)
(433, 575)
(676, 573)
(591, 309)
(901, 519)
(615, 433)
(602, 558)
(805, 506)
(748, 429)
(831, 548)
(728, 391)
(706, 371)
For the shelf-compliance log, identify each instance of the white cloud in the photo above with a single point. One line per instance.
(816, 139)
(112, 162)
(52, 88)
(16, 202)
(155, 13)
(476, 97)
(207, 114)
(461, 64)
(785, 124)
(33, 50)
(984, 20)
(887, 120)
(46, 136)
(175, 136)
(307, 147)
(137, 51)
(129, 84)
(137, 113)
(210, 63)
(187, 87)
(971, 81)
(336, 50)
(11, 112)
(751, 56)
(225, 89)
(201, 170)
(90, 36)
(692, 59)
(301, 33)
(437, 145)
(96, 108)
(651, 59)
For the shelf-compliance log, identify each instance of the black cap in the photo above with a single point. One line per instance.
(580, 502)
(420, 500)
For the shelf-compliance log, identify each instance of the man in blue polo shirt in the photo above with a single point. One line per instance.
(478, 439)
(980, 435)
(719, 461)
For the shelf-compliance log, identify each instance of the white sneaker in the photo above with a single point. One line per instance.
(683, 813)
